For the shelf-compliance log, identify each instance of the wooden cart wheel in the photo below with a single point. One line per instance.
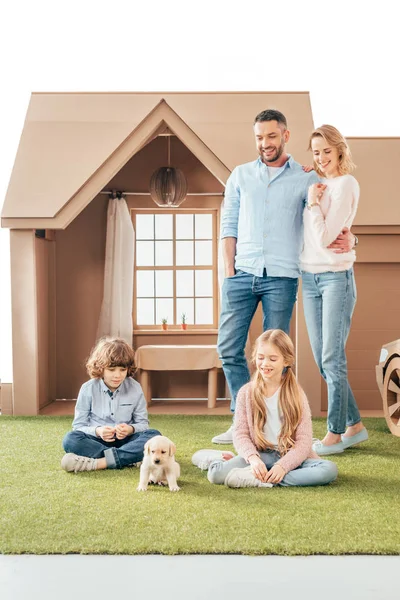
(391, 396)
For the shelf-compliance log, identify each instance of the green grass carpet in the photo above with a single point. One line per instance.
(44, 510)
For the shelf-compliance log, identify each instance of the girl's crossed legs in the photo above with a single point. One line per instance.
(313, 471)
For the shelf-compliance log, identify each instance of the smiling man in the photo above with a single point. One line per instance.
(262, 237)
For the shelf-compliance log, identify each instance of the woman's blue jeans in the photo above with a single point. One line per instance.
(329, 299)
(241, 295)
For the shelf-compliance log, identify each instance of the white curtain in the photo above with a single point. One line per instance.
(116, 310)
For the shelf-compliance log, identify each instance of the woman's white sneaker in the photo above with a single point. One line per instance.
(242, 478)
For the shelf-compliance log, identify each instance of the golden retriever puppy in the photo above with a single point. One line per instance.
(159, 464)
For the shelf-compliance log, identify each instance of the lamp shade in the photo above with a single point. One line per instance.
(168, 186)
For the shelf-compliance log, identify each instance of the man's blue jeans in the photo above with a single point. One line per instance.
(241, 295)
(329, 299)
(118, 454)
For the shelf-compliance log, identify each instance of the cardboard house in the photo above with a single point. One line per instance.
(76, 147)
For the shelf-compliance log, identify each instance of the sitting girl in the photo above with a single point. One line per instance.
(273, 430)
(110, 427)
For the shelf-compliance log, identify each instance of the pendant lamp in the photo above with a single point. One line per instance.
(168, 186)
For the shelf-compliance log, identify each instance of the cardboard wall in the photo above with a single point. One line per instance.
(24, 323)
(45, 294)
(79, 290)
(376, 160)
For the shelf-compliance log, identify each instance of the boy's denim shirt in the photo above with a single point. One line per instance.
(98, 406)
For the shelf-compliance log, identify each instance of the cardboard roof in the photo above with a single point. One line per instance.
(73, 143)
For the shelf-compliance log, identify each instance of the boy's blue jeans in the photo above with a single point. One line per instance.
(329, 299)
(118, 454)
(241, 295)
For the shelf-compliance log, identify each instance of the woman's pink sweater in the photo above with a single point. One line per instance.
(243, 433)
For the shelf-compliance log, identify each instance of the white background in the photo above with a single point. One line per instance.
(344, 52)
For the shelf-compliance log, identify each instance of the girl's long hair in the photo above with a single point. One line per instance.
(290, 402)
(110, 352)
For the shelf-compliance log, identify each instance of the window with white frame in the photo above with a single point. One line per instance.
(175, 268)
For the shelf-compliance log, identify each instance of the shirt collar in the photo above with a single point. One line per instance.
(106, 390)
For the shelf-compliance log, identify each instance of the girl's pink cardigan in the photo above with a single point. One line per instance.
(243, 433)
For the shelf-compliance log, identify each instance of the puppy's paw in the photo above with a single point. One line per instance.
(141, 488)
(174, 488)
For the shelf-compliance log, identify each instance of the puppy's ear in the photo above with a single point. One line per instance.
(147, 448)
(172, 449)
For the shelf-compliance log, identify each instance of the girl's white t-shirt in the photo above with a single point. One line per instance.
(273, 424)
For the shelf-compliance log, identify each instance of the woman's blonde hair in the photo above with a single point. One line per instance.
(110, 352)
(334, 138)
(290, 402)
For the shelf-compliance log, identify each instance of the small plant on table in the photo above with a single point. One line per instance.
(183, 321)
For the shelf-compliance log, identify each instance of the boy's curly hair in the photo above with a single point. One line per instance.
(110, 352)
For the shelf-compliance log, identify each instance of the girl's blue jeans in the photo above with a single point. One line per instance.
(313, 471)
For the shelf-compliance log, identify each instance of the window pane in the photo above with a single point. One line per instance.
(164, 283)
(144, 227)
(145, 254)
(185, 305)
(203, 227)
(204, 283)
(184, 253)
(145, 312)
(203, 252)
(163, 227)
(164, 257)
(184, 283)
(144, 283)
(184, 227)
(204, 311)
(164, 310)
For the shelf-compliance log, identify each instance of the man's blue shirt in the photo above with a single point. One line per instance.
(266, 217)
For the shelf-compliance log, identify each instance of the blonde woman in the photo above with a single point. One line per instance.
(329, 291)
(273, 431)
